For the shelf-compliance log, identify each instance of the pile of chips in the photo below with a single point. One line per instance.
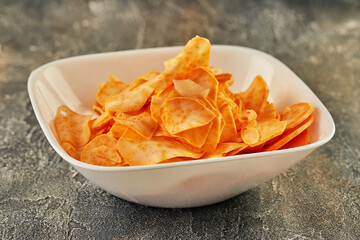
(186, 112)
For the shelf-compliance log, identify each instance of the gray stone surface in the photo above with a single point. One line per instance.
(42, 197)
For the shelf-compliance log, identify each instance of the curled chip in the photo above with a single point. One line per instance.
(72, 127)
(187, 112)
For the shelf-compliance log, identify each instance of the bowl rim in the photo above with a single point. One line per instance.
(59, 150)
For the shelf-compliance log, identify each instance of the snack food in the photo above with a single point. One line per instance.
(184, 113)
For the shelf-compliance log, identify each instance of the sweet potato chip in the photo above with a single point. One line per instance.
(182, 113)
(195, 136)
(74, 152)
(296, 113)
(188, 88)
(223, 149)
(206, 80)
(130, 101)
(92, 154)
(300, 140)
(142, 123)
(229, 132)
(256, 95)
(195, 54)
(150, 75)
(108, 89)
(250, 135)
(213, 138)
(140, 151)
(72, 127)
(268, 129)
(288, 135)
(107, 152)
(117, 130)
(225, 79)
(101, 121)
(215, 70)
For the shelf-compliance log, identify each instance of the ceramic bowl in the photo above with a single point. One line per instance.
(74, 82)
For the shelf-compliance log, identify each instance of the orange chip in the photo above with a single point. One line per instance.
(268, 129)
(110, 88)
(139, 151)
(72, 127)
(247, 115)
(229, 132)
(101, 121)
(129, 101)
(195, 54)
(300, 140)
(296, 113)
(288, 135)
(97, 109)
(195, 136)
(206, 80)
(225, 79)
(214, 135)
(142, 123)
(107, 152)
(215, 70)
(188, 88)
(182, 113)
(223, 149)
(269, 112)
(117, 130)
(250, 135)
(255, 97)
(249, 149)
(150, 75)
(161, 132)
(101, 155)
(74, 152)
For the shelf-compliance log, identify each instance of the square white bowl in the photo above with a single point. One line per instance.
(74, 82)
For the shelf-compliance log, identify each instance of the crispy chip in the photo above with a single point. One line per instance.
(229, 132)
(101, 156)
(268, 129)
(142, 123)
(139, 151)
(195, 136)
(129, 101)
(108, 89)
(288, 135)
(101, 121)
(296, 113)
(117, 130)
(195, 54)
(188, 88)
(255, 97)
(72, 127)
(214, 135)
(206, 80)
(250, 135)
(300, 140)
(223, 149)
(215, 70)
(182, 113)
(74, 152)
(107, 152)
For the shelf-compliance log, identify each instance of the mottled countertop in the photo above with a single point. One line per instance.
(43, 197)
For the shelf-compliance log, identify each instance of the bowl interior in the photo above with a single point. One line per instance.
(74, 82)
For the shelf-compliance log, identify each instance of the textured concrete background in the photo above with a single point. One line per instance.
(42, 197)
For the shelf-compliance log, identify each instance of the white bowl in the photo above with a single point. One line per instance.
(74, 82)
